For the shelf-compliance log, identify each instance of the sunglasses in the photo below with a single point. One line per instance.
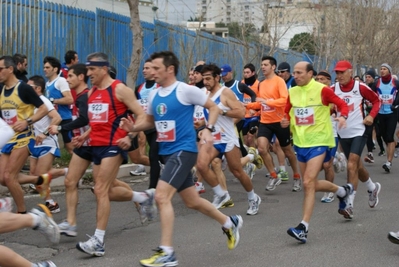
(281, 71)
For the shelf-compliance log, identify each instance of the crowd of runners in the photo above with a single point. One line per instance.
(193, 132)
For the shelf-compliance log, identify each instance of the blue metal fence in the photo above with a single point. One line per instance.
(39, 28)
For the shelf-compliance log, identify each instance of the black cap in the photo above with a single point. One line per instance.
(198, 68)
(371, 72)
(284, 66)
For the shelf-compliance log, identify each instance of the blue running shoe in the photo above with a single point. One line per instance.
(161, 259)
(299, 233)
(93, 246)
(343, 200)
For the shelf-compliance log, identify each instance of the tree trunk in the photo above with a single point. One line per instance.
(137, 31)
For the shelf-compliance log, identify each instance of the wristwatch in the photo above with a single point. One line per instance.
(210, 127)
(224, 112)
(29, 121)
(345, 117)
(59, 128)
(51, 100)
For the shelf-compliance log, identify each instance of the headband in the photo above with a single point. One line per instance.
(97, 63)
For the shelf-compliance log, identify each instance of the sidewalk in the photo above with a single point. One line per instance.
(123, 172)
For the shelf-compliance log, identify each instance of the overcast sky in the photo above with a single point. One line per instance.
(178, 10)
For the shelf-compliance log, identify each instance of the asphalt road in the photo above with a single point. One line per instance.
(199, 241)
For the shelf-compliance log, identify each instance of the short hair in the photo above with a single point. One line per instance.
(148, 60)
(271, 59)
(250, 66)
(169, 59)
(309, 67)
(38, 81)
(54, 62)
(69, 56)
(215, 70)
(79, 69)
(98, 55)
(9, 62)
(19, 58)
(112, 72)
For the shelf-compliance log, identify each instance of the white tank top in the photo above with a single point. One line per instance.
(225, 129)
(354, 100)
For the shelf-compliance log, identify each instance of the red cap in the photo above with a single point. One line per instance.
(343, 65)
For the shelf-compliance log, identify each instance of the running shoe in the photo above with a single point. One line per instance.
(54, 208)
(45, 264)
(396, 153)
(67, 229)
(343, 206)
(233, 233)
(283, 175)
(394, 237)
(258, 161)
(228, 204)
(46, 224)
(142, 213)
(139, 171)
(45, 186)
(369, 158)
(297, 186)
(194, 174)
(199, 187)
(251, 170)
(253, 205)
(93, 246)
(387, 166)
(6, 204)
(328, 197)
(343, 162)
(224, 163)
(160, 258)
(149, 205)
(299, 233)
(273, 183)
(337, 165)
(382, 153)
(373, 196)
(218, 201)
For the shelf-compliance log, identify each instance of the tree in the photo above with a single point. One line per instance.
(303, 42)
(135, 26)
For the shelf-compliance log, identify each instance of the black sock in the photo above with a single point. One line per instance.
(21, 212)
(39, 180)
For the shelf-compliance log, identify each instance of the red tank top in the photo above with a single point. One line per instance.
(105, 112)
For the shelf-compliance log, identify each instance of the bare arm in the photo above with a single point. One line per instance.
(67, 99)
(237, 110)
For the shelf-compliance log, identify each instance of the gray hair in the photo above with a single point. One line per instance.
(97, 55)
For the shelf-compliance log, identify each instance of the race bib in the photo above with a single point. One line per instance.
(143, 103)
(166, 131)
(98, 112)
(247, 100)
(198, 116)
(349, 102)
(304, 116)
(386, 99)
(10, 116)
(266, 108)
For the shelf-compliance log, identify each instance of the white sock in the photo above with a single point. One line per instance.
(306, 225)
(66, 171)
(251, 157)
(228, 224)
(219, 191)
(251, 195)
(139, 197)
(36, 219)
(341, 192)
(167, 250)
(370, 185)
(351, 199)
(282, 168)
(100, 235)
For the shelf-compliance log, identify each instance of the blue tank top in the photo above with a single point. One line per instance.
(52, 92)
(174, 124)
(386, 93)
(237, 92)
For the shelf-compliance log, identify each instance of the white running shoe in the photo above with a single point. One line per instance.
(6, 204)
(140, 170)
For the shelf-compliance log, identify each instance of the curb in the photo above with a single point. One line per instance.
(123, 172)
